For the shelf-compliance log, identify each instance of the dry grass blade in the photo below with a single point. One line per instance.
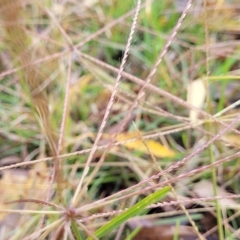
(78, 192)
(18, 45)
(94, 105)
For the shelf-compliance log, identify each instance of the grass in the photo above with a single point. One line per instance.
(79, 78)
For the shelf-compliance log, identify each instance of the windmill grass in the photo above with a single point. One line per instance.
(75, 76)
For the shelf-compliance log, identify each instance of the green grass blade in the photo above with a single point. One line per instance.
(133, 233)
(76, 232)
(134, 210)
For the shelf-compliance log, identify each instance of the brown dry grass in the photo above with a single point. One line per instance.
(77, 74)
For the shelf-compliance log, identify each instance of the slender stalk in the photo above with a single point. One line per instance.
(208, 126)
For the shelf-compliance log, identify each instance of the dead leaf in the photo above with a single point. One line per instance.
(232, 139)
(21, 183)
(157, 149)
(204, 189)
(103, 99)
(10, 160)
(196, 94)
(166, 232)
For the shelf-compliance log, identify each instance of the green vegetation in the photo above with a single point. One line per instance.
(119, 119)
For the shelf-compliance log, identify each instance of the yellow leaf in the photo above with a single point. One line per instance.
(157, 149)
